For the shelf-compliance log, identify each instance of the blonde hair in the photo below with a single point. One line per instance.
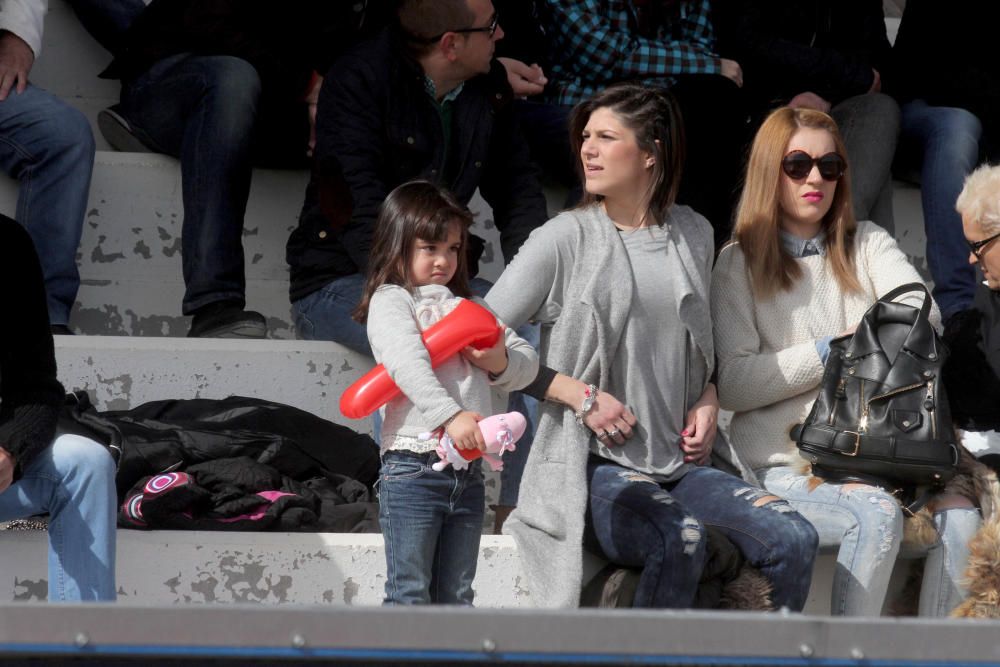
(979, 200)
(771, 269)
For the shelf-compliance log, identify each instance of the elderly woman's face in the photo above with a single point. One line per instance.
(987, 254)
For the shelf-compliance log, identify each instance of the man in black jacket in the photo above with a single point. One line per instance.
(424, 99)
(70, 477)
(829, 56)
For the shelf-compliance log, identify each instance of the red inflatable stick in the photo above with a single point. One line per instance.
(468, 324)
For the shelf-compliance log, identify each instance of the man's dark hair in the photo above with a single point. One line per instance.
(423, 20)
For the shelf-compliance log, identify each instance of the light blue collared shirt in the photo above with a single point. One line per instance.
(799, 247)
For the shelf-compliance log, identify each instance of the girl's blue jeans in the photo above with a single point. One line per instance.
(431, 522)
(635, 521)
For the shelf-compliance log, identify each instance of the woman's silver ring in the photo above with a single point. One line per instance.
(612, 434)
(602, 435)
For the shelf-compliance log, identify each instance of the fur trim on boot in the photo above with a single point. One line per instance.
(749, 590)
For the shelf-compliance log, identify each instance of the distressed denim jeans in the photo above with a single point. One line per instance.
(431, 522)
(947, 559)
(867, 524)
(636, 522)
(73, 481)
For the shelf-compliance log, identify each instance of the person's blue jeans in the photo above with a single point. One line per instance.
(943, 144)
(943, 587)
(326, 314)
(73, 481)
(203, 110)
(634, 521)
(48, 147)
(431, 522)
(866, 524)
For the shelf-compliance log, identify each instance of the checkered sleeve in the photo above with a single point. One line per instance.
(595, 36)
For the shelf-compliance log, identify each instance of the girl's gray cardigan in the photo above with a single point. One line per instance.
(583, 299)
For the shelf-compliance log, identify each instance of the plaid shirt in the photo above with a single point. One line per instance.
(596, 42)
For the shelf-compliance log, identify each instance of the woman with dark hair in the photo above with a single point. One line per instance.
(620, 286)
(799, 272)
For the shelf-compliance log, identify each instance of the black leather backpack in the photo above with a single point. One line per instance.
(881, 415)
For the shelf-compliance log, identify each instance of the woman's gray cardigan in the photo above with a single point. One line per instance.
(584, 306)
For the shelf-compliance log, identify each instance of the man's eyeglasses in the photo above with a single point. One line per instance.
(798, 164)
(490, 29)
(976, 247)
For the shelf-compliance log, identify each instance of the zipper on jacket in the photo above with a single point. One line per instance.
(929, 406)
(863, 421)
(839, 394)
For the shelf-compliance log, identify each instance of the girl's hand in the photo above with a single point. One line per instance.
(700, 429)
(610, 419)
(463, 429)
(492, 359)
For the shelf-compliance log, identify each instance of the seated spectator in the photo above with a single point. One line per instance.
(950, 107)
(424, 100)
(594, 43)
(799, 272)
(222, 85)
(48, 147)
(630, 412)
(972, 372)
(828, 56)
(70, 477)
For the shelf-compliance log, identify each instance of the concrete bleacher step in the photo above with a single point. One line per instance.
(121, 372)
(170, 567)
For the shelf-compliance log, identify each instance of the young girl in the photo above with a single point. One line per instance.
(431, 520)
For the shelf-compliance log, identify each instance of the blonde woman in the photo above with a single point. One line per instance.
(799, 271)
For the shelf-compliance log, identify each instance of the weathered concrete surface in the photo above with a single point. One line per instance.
(120, 372)
(187, 567)
(130, 253)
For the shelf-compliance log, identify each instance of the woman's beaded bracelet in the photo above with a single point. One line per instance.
(589, 398)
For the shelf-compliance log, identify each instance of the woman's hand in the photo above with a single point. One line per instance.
(492, 359)
(701, 426)
(848, 331)
(610, 419)
(464, 431)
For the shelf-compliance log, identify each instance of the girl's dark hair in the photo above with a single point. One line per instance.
(652, 114)
(414, 210)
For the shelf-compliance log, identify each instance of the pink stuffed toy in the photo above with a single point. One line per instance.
(500, 433)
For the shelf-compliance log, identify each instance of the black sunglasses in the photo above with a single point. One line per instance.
(489, 29)
(975, 247)
(798, 164)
